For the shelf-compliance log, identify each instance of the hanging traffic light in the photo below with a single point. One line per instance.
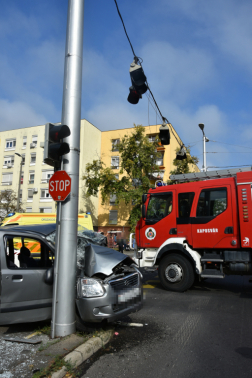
(54, 147)
(164, 134)
(181, 154)
(133, 96)
(138, 80)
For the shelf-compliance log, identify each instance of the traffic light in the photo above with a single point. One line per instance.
(138, 80)
(54, 147)
(181, 154)
(164, 134)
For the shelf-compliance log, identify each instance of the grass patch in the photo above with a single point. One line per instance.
(47, 345)
(46, 330)
(55, 365)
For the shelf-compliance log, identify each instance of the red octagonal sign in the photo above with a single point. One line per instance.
(60, 185)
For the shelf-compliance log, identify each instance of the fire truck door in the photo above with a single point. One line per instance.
(184, 227)
(160, 220)
(212, 225)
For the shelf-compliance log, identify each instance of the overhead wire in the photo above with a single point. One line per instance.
(230, 144)
(164, 119)
(228, 152)
(229, 166)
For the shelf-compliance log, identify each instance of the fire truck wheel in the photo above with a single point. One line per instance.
(176, 273)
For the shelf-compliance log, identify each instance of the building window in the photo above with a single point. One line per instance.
(30, 195)
(152, 137)
(45, 209)
(31, 177)
(115, 162)
(46, 175)
(8, 161)
(29, 209)
(24, 141)
(34, 141)
(44, 194)
(115, 143)
(33, 158)
(113, 217)
(10, 144)
(112, 200)
(7, 178)
(160, 160)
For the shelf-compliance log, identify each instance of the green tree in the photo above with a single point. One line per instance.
(183, 166)
(8, 203)
(137, 163)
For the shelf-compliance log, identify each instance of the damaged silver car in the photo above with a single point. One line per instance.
(108, 285)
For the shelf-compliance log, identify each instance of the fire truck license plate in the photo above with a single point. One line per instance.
(130, 294)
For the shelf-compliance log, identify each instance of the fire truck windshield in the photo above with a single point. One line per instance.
(160, 205)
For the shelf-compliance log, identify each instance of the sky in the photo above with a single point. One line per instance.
(197, 57)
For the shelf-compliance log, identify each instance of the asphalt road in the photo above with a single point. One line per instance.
(204, 332)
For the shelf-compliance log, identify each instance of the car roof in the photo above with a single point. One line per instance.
(42, 229)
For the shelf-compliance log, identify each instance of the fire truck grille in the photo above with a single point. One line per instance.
(125, 283)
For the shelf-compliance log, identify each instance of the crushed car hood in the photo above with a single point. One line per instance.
(97, 259)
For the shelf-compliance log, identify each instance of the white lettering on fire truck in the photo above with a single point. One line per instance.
(207, 230)
(246, 241)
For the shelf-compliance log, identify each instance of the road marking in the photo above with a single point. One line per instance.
(150, 285)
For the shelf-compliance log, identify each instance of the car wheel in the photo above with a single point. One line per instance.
(176, 273)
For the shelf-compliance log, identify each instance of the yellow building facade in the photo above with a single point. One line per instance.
(112, 218)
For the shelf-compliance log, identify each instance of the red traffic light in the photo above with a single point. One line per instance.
(138, 80)
(133, 96)
(58, 132)
(54, 147)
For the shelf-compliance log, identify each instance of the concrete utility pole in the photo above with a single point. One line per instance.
(205, 139)
(71, 116)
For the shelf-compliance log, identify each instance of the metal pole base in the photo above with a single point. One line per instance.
(64, 329)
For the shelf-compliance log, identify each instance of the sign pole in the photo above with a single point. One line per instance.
(71, 116)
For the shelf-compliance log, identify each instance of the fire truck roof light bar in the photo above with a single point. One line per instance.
(209, 174)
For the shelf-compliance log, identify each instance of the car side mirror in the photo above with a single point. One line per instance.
(144, 198)
(143, 211)
(49, 276)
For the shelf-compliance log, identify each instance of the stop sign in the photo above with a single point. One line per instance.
(60, 185)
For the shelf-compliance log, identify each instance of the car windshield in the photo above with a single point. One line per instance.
(84, 238)
(51, 237)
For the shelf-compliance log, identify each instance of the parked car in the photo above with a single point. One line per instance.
(106, 290)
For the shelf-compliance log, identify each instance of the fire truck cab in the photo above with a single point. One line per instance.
(201, 228)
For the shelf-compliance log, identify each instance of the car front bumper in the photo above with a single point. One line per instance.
(113, 305)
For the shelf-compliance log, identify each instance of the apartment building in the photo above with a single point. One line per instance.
(112, 218)
(23, 145)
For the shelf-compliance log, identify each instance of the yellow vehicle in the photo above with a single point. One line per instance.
(12, 219)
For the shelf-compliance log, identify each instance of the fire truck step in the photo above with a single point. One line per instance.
(212, 273)
(213, 257)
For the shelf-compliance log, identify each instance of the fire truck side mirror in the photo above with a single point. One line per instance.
(144, 198)
(143, 211)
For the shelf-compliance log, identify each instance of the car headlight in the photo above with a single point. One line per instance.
(89, 287)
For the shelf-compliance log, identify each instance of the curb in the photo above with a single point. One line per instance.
(84, 351)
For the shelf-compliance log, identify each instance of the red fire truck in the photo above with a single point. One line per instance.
(200, 228)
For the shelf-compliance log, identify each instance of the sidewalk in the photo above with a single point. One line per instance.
(22, 360)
